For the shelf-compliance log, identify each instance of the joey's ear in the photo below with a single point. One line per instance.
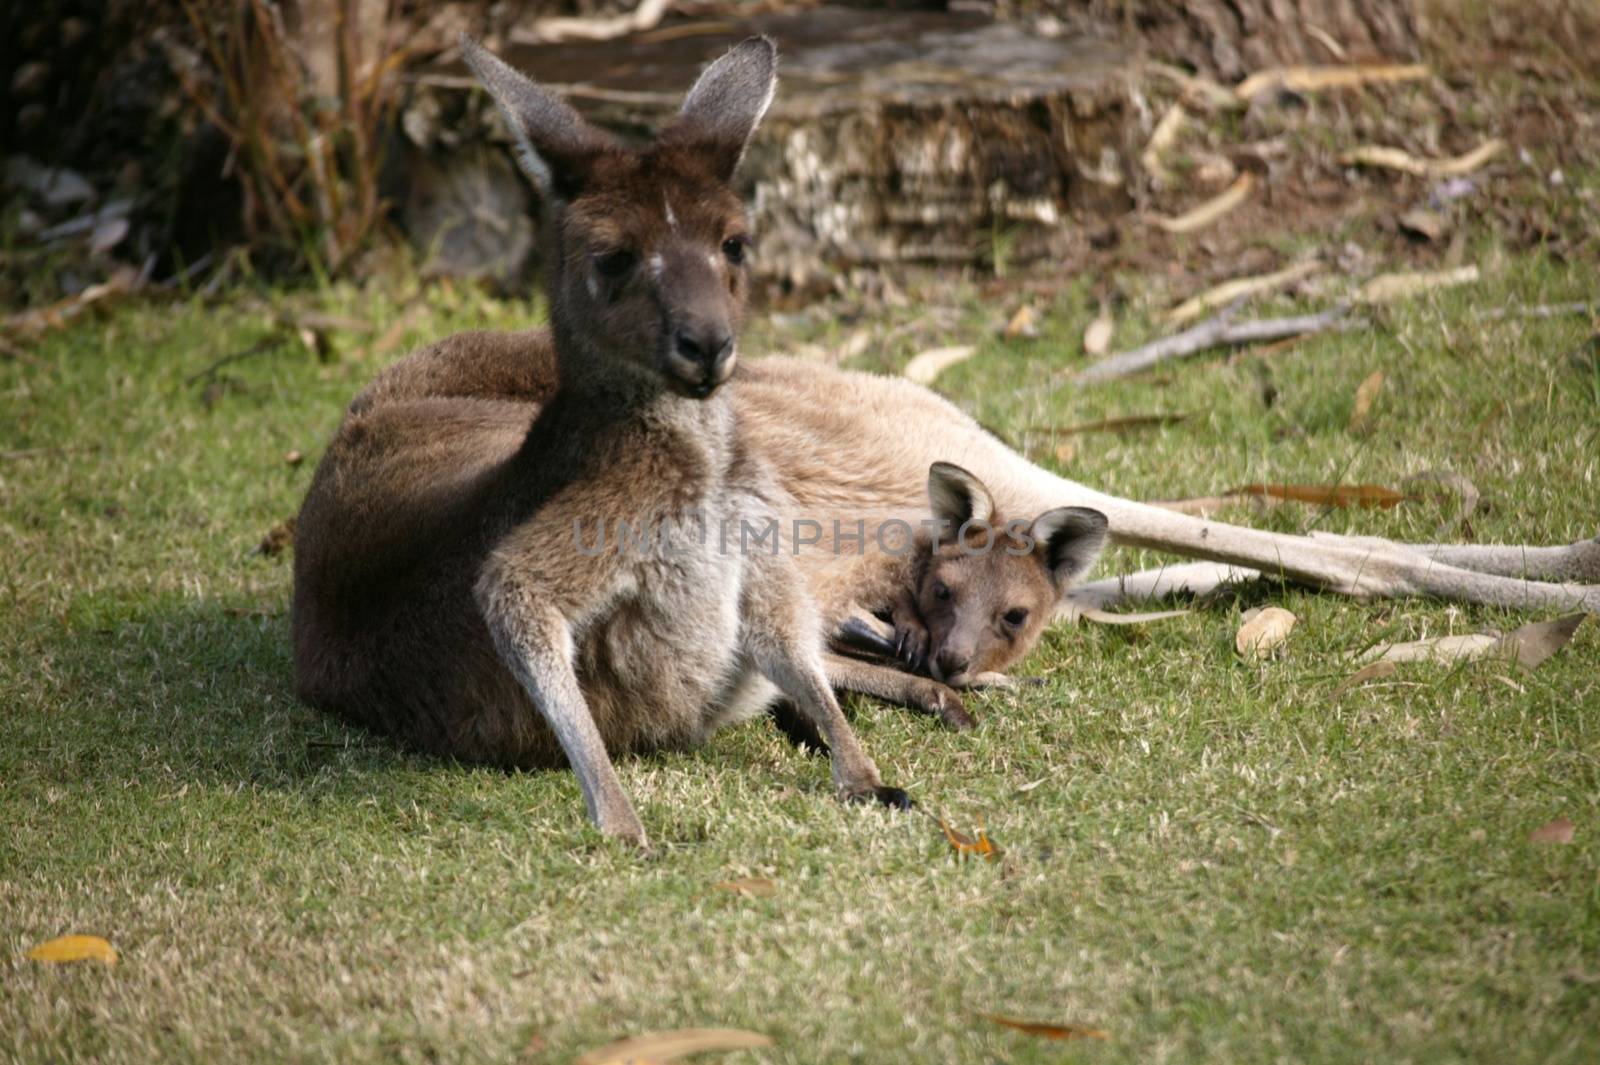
(554, 144)
(723, 109)
(958, 497)
(1071, 539)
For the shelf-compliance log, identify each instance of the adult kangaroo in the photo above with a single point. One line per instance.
(442, 592)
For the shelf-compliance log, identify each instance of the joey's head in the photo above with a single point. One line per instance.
(645, 248)
(989, 586)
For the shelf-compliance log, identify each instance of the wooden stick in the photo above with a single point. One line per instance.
(1213, 332)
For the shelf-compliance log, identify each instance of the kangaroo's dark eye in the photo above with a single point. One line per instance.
(940, 592)
(1017, 616)
(733, 249)
(615, 264)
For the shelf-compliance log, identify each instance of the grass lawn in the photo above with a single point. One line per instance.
(1203, 858)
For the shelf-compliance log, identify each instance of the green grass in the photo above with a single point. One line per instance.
(1213, 860)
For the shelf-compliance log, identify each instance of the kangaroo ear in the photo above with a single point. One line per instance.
(1072, 538)
(554, 144)
(723, 109)
(957, 497)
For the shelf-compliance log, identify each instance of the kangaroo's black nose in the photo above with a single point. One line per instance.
(953, 665)
(708, 347)
(702, 357)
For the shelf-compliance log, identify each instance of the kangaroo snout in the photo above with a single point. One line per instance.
(702, 357)
(950, 666)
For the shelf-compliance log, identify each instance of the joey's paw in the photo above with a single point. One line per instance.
(883, 795)
(942, 702)
(911, 644)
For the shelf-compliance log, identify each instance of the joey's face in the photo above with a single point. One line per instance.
(656, 270)
(987, 591)
(983, 611)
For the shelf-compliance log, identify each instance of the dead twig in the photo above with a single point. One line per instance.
(271, 340)
(1214, 332)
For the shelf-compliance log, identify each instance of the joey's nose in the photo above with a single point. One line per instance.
(702, 356)
(952, 665)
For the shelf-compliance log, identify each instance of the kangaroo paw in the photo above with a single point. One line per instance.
(883, 795)
(942, 702)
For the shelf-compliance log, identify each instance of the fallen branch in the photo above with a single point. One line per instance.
(1397, 159)
(1317, 78)
(1209, 211)
(1213, 332)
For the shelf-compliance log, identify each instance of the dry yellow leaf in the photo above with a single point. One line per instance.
(1397, 286)
(930, 364)
(1161, 138)
(670, 1046)
(1211, 210)
(75, 948)
(753, 886)
(1239, 288)
(1366, 394)
(1374, 671)
(1023, 324)
(1097, 337)
(1263, 631)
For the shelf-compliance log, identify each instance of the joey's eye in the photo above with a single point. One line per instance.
(1016, 617)
(733, 249)
(940, 592)
(615, 264)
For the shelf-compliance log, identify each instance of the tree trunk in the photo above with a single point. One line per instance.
(1232, 38)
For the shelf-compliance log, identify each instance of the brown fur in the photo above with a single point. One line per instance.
(441, 594)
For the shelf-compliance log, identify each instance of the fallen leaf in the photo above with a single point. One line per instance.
(751, 886)
(1317, 78)
(1065, 452)
(1536, 641)
(1097, 335)
(75, 948)
(1325, 495)
(1111, 425)
(1439, 649)
(1386, 288)
(1366, 393)
(1023, 324)
(107, 235)
(1044, 1030)
(1162, 138)
(963, 844)
(855, 344)
(1429, 225)
(278, 537)
(293, 458)
(1557, 831)
(1211, 210)
(1529, 645)
(1263, 631)
(670, 1046)
(1239, 288)
(930, 364)
(1372, 671)
(1397, 159)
